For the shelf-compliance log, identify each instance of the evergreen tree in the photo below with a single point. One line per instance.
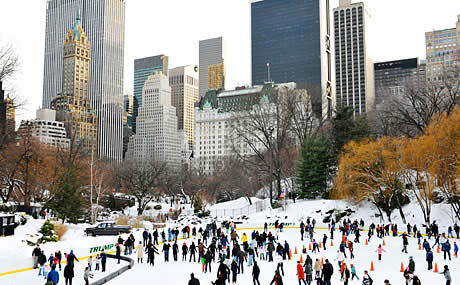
(346, 128)
(67, 200)
(315, 168)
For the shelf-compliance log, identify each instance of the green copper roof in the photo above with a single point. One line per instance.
(207, 105)
(76, 33)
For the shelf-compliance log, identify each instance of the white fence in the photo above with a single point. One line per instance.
(256, 207)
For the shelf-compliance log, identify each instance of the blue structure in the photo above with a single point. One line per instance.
(143, 67)
(290, 43)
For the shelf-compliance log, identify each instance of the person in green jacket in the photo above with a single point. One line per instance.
(411, 264)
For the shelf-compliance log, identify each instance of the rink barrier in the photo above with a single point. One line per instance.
(117, 273)
(238, 229)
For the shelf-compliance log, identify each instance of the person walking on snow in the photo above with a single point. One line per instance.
(300, 274)
(255, 274)
(35, 254)
(446, 274)
(193, 280)
(140, 252)
(379, 251)
(68, 274)
(367, 280)
(353, 272)
(277, 279)
(429, 259)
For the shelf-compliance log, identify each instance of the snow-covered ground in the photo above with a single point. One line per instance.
(16, 254)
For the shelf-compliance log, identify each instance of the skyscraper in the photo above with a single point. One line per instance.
(290, 42)
(157, 137)
(73, 106)
(104, 23)
(216, 76)
(393, 77)
(442, 50)
(184, 94)
(143, 68)
(353, 69)
(211, 52)
(7, 114)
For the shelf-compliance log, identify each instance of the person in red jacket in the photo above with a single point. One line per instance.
(300, 273)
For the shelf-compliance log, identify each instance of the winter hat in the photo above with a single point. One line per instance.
(71, 251)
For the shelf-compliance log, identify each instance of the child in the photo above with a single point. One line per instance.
(90, 262)
(353, 272)
(46, 270)
(87, 275)
(98, 261)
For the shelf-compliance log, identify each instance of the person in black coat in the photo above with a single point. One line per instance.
(103, 260)
(193, 280)
(184, 252)
(192, 251)
(71, 258)
(151, 251)
(327, 272)
(36, 253)
(234, 268)
(68, 274)
(277, 279)
(41, 261)
(255, 273)
(175, 250)
(223, 271)
(118, 252)
(58, 254)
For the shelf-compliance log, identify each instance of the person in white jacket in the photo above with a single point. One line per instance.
(340, 258)
(140, 252)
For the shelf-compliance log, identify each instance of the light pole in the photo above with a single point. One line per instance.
(270, 132)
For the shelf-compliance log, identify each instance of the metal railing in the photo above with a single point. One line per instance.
(116, 273)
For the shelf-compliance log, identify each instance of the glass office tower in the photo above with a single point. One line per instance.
(291, 43)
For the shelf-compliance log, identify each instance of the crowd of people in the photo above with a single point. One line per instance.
(232, 252)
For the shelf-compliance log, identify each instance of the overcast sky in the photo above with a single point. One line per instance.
(173, 27)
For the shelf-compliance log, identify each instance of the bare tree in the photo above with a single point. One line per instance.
(409, 112)
(270, 127)
(140, 179)
(9, 62)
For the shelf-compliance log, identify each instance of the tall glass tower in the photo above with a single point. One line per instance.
(290, 41)
(104, 23)
(143, 68)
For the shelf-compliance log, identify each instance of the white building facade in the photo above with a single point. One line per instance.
(46, 129)
(354, 71)
(157, 137)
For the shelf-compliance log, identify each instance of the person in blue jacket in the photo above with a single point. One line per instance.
(429, 259)
(426, 245)
(53, 276)
(446, 249)
(455, 249)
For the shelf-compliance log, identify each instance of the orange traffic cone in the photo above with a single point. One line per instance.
(436, 267)
(319, 244)
(372, 266)
(322, 261)
(438, 250)
(332, 243)
(301, 259)
(366, 242)
(295, 251)
(402, 267)
(309, 246)
(303, 249)
(290, 254)
(341, 267)
(383, 243)
(419, 247)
